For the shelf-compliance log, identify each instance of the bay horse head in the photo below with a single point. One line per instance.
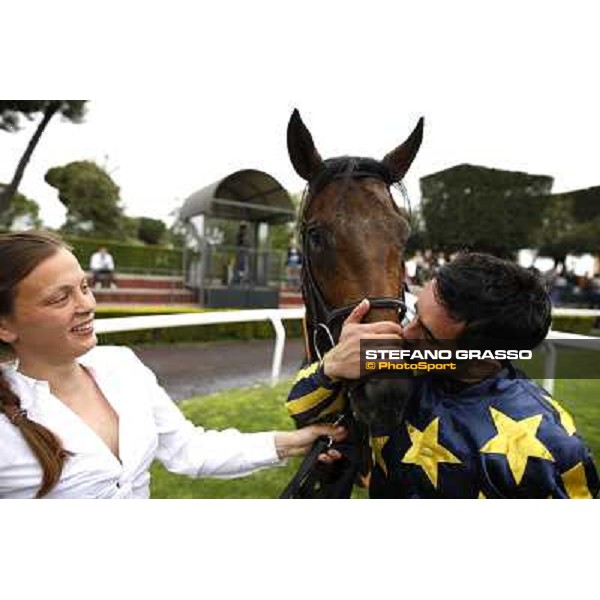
(353, 234)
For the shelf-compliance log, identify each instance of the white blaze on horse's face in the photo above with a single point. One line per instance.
(354, 235)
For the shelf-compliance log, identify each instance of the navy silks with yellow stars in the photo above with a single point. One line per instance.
(503, 437)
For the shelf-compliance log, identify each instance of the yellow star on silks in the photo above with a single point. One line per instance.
(517, 441)
(426, 451)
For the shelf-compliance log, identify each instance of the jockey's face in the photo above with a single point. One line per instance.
(432, 321)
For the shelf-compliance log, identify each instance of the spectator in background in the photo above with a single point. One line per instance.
(293, 264)
(410, 269)
(594, 292)
(241, 268)
(425, 268)
(558, 285)
(584, 270)
(102, 266)
(440, 260)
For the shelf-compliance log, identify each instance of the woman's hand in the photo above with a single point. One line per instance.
(296, 443)
(343, 360)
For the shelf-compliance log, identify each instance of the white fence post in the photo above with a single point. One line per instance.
(549, 365)
(566, 340)
(279, 346)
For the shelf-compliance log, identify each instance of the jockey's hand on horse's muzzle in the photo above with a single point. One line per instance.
(343, 360)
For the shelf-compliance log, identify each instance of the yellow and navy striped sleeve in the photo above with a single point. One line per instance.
(314, 396)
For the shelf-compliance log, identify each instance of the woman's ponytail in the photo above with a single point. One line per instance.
(46, 447)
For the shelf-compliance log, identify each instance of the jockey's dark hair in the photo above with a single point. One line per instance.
(20, 254)
(500, 301)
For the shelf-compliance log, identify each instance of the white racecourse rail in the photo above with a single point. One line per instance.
(277, 316)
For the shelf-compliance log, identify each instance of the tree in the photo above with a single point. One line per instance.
(11, 112)
(586, 204)
(151, 231)
(587, 237)
(470, 207)
(92, 200)
(570, 224)
(553, 236)
(177, 233)
(23, 213)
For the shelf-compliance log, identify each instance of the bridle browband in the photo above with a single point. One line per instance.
(325, 318)
(353, 167)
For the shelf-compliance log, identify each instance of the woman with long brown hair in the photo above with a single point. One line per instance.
(79, 420)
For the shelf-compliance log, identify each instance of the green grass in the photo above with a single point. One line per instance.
(581, 398)
(262, 408)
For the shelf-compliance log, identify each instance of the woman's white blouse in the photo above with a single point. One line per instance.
(150, 427)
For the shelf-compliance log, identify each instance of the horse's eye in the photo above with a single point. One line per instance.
(316, 238)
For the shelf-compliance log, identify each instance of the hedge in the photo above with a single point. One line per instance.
(105, 312)
(129, 257)
(583, 325)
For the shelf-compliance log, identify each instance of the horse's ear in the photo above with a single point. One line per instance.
(400, 159)
(301, 148)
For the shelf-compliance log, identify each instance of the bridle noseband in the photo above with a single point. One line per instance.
(324, 317)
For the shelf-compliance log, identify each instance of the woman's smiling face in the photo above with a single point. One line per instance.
(53, 311)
